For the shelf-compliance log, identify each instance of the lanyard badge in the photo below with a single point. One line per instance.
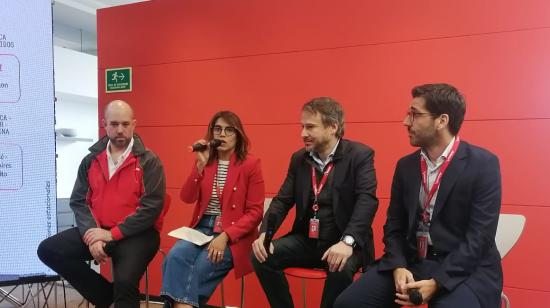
(218, 225)
(314, 222)
(423, 233)
(422, 243)
(218, 228)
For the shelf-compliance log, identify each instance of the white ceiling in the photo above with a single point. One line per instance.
(74, 22)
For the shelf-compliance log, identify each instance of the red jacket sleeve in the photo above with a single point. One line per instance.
(191, 188)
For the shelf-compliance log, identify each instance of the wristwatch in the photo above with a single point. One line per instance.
(348, 240)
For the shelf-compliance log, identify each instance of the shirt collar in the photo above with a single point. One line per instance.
(320, 162)
(443, 155)
(123, 155)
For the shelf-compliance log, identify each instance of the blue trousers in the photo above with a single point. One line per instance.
(377, 290)
(187, 274)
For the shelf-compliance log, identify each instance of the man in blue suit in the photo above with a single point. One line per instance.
(440, 230)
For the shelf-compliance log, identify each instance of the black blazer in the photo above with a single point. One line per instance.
(463, 224)
(353, 189)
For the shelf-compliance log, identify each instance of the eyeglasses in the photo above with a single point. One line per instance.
(228, 130)
(412, 115)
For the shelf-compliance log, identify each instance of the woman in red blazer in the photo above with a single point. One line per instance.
(227, 186)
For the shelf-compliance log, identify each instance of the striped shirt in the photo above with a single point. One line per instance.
(214, 207)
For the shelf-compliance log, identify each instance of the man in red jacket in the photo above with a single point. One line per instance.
(118, 204)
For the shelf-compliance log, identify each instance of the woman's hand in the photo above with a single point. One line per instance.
(202, 156)
(216, 248)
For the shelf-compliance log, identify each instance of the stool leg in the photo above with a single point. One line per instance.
(304, 291)
(242, 292)
(223, 295)
(147, 287)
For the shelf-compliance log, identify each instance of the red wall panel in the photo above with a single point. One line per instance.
(527, 298)
(372, 82)
(169, 31)
(264, 59)
(526, 265)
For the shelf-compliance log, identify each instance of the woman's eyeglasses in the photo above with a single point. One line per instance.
(228, 130)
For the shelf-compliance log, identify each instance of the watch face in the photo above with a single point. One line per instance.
(348, 240)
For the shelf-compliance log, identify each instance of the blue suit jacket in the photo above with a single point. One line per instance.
(463, 224)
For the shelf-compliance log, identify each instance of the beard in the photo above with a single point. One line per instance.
(120, 142)
(423, 138)
(316, 145)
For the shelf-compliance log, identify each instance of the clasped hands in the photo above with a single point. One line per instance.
(95, 239)
(404, 281)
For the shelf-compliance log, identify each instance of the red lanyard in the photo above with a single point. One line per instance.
(435, 186)
(317, 189)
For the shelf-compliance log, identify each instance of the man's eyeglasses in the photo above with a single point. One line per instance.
(229, 130)
(412, 115)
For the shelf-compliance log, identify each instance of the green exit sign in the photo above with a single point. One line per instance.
(118, 79)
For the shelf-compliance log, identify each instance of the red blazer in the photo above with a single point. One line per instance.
(242, 204)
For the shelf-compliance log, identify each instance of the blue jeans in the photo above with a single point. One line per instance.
(376, 289)
(187, 274)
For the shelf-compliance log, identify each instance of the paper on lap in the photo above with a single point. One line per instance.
(191, 235)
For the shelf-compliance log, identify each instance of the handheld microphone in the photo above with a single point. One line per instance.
(199, 147)
(108, 248)
(415, 297)
(270, 231)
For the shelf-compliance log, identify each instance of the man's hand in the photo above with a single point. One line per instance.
(402, 276)
(427, 289)
(97, 234)
(217, 247)
(96, 249)
(337, 256)
(259, 250)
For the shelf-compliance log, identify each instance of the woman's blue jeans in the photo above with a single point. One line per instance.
(187, 274)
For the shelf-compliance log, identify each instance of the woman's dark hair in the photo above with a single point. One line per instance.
(241, 146)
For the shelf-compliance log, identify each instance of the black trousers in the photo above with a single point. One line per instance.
(296, 250)
(376, 289)
(67, 254)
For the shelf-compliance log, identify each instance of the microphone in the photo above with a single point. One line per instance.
(415, 297)
(108, 249)
(199, 147)
(270, 230)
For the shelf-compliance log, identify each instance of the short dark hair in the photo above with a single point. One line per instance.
(330, 110)
(442, 98)
(241, 146)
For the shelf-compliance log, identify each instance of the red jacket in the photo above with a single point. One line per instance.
(130, 202)
(242, 204)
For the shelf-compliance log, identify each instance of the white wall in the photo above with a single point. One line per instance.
(75, 72)
(76, 107)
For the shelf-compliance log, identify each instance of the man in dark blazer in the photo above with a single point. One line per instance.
(332, 182)
(440, 231)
